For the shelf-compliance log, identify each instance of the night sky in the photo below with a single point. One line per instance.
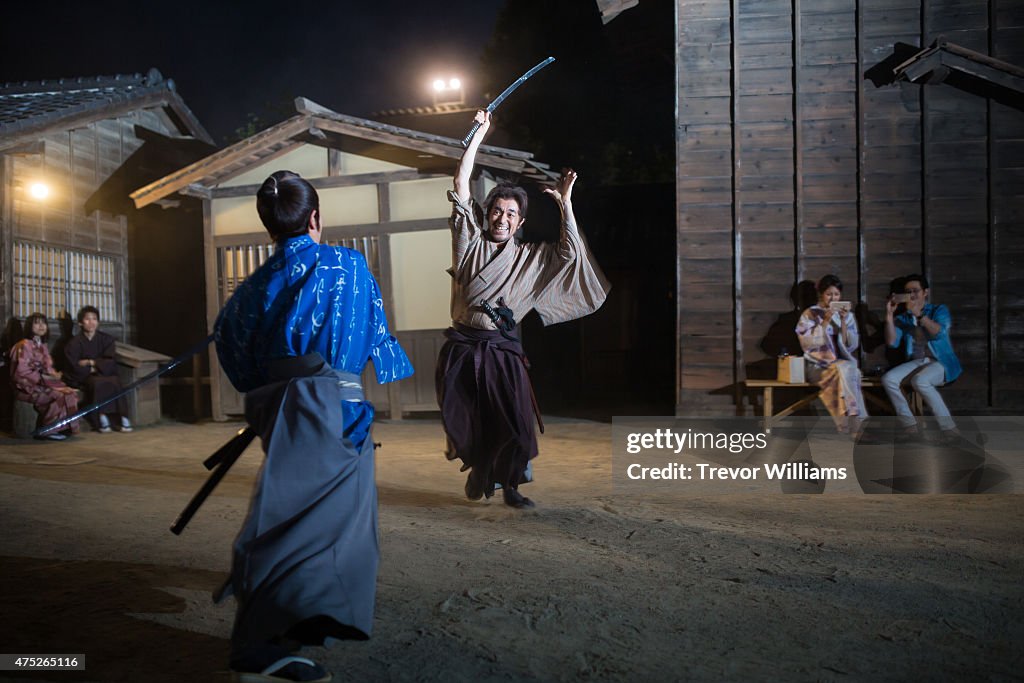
(231, 61)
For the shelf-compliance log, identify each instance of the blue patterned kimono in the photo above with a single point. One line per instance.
(309, 297)
(304, 564)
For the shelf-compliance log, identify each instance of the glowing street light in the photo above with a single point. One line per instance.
(39, 190)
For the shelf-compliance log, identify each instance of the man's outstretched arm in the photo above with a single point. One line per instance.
(465, 168)
(573, 286)
(562, 194)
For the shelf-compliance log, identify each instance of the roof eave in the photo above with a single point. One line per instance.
(21, 132)
(311, 117)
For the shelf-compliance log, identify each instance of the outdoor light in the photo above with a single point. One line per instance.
(448, 91)
(39, 190)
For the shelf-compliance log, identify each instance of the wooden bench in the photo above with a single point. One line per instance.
(23, 420)
(768, 386)
(24, 417)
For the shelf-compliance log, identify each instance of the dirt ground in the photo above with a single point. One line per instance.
(589, 586)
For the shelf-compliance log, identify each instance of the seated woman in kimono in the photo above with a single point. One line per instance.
(36, 381)
(829, 338)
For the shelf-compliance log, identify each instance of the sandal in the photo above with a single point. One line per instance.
(286, 669)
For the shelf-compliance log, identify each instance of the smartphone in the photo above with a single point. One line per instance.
(901, 298)
(840, 306)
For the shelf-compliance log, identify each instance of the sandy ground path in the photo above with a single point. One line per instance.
(589, 586)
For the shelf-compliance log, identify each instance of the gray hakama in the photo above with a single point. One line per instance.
(305, 562)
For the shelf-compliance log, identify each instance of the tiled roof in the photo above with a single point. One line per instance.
(35, 106)
(427, 110)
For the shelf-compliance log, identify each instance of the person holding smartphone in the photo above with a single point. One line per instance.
(828, 335)
(921, 331)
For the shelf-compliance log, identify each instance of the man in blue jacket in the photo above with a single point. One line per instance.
(922, 332)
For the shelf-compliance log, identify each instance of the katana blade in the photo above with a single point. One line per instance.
(501, 98)
(522, 79)
(175, 362)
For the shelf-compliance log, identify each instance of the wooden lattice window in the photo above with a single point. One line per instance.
(235, 263)
(52, 280)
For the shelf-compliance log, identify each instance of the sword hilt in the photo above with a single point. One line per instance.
(471, 133)
(242, 439)
(491, 313)
(221, 462)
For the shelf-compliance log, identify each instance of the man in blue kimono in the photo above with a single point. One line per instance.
(295, 336)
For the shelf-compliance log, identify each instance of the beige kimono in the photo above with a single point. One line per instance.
(483, 389)
(561, 281)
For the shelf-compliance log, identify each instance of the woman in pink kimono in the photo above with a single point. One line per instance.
(829, 338)
(36, 381)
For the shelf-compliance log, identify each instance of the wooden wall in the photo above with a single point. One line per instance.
(74, 163)
(791, 165)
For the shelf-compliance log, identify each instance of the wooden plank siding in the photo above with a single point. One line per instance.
(1006, 218)
(81, 159)
(793, 164)
(956, 195)
(890, 158)
(705, 199)
(75, 163)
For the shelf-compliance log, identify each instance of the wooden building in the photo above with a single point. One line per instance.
(382, 191)
(802, 151)
(60, 141)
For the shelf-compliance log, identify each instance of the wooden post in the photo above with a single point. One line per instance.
(798, 152)
(6, 238)
(212, 307)
(862, 285)
(197, 386)
(737, 216)
(992, 321)
(387, 290)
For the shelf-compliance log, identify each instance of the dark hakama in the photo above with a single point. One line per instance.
(486, 405)
(305, 563)
(100, 385)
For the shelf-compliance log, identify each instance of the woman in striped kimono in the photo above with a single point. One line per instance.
(829, 338)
